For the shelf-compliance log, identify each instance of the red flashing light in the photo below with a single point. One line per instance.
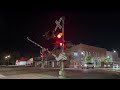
(61, 44)
(59, 35)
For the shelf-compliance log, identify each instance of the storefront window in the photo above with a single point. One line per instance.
(75, 54)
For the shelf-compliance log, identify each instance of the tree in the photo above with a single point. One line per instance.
(49, 35)
(14, 56)
(69, 57)
(87, 59)
(106, 60)
(3, 61)
(68, 44)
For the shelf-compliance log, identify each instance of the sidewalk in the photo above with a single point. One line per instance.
(30, 76)
(2, 76)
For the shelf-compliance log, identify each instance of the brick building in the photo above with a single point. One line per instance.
(77, 54)
(116, 58)
(113, 55)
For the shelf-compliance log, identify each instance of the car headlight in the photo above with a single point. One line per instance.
(104, 65)
(117, 66)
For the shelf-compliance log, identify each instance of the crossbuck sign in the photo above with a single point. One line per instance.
(61, 56)
(58, 24)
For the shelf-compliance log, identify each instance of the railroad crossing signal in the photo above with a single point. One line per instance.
(58, 24)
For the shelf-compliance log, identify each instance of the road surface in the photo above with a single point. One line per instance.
(38, 73)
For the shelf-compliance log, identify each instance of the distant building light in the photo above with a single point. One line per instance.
(108, 56)
(6, 57)
(82, 53)
(114, 51)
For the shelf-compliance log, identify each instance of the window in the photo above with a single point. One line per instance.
(83, 53)
(86, 53)
(75, 54)
(89, 54)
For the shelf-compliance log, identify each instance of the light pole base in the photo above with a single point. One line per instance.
(61, 74)
(42, 66)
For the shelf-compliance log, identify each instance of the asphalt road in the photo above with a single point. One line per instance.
(38, 73)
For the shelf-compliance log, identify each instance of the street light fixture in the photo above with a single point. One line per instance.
(114, 51)
(82, 53)
(7, 57)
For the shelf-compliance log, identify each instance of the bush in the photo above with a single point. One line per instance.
(88, 59)
(106, 60)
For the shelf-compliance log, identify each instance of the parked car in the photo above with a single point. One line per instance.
(107, 65)
(115, 66)
(87, 65)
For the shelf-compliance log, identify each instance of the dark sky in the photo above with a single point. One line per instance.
(94, 27)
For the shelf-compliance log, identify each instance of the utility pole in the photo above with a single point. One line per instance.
(42, 56)
(61, 72)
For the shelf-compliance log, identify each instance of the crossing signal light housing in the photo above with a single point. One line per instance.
(61, 43)
(59, 40)
(59, 35)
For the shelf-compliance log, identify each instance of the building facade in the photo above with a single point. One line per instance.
(79, 52)
(24, 61)
(116, 59)
(109, 55)
(76, 56)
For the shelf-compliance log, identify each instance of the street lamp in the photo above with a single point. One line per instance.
(7, 57)
(114, 51)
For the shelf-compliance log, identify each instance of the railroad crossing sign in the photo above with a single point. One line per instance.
(61, 56)
(58, 24)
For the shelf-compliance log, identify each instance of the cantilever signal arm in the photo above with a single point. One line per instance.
(41, 47)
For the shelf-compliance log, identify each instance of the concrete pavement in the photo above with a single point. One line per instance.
(109, 69)
(51, 73)
(2, 76)
(29, 76)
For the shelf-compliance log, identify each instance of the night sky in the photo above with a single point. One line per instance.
(93, 27)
